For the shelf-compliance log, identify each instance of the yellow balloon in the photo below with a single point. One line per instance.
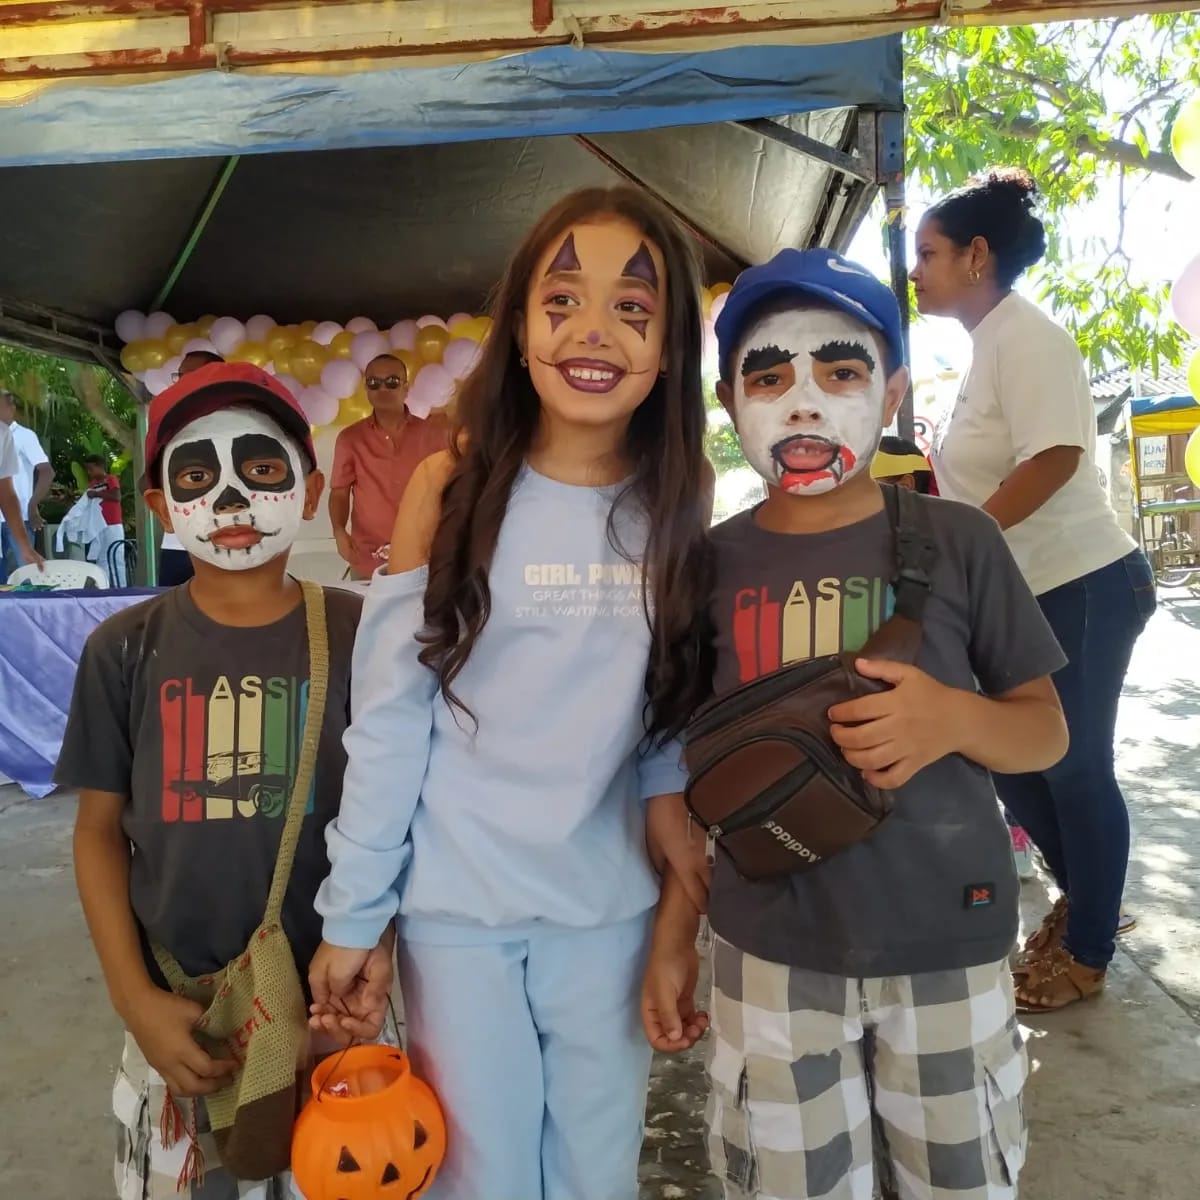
(307, 327)
(352, 409)
(305, 362)
(1191, 457)
(155, 353)
(458, 326)
(254, 353)
(1185, 137)
(133, 356)
(432, 342)
(282, 362)
(178, 336)
(412, 362)
(1194, 375)
(719, 289)
(706, 301)
(340, 346)
(205, 324)
(282, 337)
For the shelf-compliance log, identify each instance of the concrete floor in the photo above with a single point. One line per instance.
(1114, 1103)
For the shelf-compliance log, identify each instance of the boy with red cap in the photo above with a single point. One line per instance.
(191, 739)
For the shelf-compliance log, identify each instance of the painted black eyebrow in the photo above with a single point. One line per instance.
(763, 357)
(833, 352)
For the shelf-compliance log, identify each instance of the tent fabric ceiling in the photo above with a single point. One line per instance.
(401, 229)
(390, 233)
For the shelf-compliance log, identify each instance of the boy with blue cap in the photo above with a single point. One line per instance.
(864, 1035)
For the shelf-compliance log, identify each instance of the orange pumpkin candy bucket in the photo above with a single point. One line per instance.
(372, 1130)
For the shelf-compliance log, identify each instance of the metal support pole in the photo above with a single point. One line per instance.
(890, 160)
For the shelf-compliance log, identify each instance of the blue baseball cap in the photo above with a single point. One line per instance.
(821, 275)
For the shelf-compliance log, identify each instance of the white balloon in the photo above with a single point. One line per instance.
(326, 332)
(131, 325)
(403, 335)
(157, 324)
(366, 346)
(227, 334)
(158, 379)
(259, 327)
(199, 346)
(361, 325)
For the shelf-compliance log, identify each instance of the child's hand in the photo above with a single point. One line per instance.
(162, 1024)
(333, 974)
(669, 1017)
(892, 735)
(359, 1014)
(671, 840)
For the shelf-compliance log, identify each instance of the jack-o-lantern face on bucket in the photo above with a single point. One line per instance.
(372, 1130)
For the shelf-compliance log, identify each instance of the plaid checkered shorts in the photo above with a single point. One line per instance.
(907, 1088)
(146, 1170)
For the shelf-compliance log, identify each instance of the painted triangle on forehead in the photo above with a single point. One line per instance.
(641, 266)
(566, 259)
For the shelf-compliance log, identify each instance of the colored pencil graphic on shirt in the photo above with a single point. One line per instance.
(833, 615)
(233, 752)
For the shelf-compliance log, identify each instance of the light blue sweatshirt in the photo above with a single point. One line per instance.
(535, 819)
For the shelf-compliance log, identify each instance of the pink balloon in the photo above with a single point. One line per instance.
(201, 346)
(460, 357)
(718, 306)
(366, 346)
(227, 334)
(157, 325)
(432, 388)
(292, 384)
(158, 379)
(425, 322)
(319, 407)
(340, 377)
(172, 365)
(403, 335)
(361, 325)
(259, 327)
(326, 332)
(1185, 297)
(130, 325)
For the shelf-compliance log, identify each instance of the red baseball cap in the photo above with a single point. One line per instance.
(212, 388)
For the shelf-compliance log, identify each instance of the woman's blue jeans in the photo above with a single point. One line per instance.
(1075, 812)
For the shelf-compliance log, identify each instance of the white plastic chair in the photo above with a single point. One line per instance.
(62, 574)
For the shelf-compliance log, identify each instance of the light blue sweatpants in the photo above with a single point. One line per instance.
(536, 1052)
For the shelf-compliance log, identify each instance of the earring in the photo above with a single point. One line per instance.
(974, 276)
(523, 361)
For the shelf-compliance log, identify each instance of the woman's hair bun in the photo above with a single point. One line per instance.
(1000, 206)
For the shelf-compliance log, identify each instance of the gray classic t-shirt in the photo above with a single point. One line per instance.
(199, 726)
(935, 888)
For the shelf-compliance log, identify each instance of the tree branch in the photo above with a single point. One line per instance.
(83, 383)
(1111, 150)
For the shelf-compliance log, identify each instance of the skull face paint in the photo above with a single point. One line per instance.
(809, 396)
(235, 486)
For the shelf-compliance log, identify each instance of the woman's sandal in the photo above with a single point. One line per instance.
(1047, 937)
(1055, 980)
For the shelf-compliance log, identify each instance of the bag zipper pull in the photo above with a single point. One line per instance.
(710, 844)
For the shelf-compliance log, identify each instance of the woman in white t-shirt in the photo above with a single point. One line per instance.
(1020, 443)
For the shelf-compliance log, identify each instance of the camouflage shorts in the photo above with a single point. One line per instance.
(850, 1089)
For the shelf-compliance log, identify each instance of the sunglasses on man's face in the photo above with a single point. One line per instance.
(391, 382)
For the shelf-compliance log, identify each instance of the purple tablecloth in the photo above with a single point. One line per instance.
(41, 638)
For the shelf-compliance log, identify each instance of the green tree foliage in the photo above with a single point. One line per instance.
(76, 411)
(1076, 104)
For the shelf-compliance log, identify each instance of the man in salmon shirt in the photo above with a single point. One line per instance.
(373, 461)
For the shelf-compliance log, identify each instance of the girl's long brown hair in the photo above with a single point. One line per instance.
(499, 413)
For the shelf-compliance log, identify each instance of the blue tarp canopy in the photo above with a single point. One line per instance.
(399, 190)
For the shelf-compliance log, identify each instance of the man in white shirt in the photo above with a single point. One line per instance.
(30, 481)
(10, 506)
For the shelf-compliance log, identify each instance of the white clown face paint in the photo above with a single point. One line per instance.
(809, 393)
(235, 487)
